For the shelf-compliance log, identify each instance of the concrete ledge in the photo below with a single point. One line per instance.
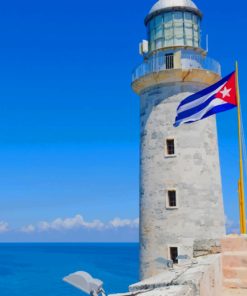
(165, 291)
(161, 280)
(175, 75)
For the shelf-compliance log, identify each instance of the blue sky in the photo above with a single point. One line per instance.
(69, 121)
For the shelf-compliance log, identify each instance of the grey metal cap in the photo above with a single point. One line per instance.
(171, 5)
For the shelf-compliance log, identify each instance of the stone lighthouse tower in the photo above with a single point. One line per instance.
(181, 208)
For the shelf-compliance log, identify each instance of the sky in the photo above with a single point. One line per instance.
(69, 121)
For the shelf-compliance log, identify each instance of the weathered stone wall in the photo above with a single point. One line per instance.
(202, 278)
(198, 222)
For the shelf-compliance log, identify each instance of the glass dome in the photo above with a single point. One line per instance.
(173, 23)
(174, 28)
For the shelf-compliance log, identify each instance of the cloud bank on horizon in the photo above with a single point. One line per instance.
(77, 222)
(72, 224)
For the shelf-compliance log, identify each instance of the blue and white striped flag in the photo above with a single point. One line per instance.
(216, 98)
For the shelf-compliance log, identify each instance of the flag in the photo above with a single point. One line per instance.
(216, 98)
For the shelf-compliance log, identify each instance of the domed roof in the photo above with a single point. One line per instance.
(166, 5)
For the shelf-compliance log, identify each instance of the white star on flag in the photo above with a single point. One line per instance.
(226, 92)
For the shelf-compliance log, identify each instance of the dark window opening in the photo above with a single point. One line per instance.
(174, 254)
(172, 199)
(170, 146)
(169, 61)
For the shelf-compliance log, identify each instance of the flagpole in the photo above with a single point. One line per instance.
(241, 180)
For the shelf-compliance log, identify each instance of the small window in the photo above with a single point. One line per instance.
(170, 147)
(174, 254)
(169, 61)
(172, 198)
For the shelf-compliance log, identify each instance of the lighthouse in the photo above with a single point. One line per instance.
(181, 206)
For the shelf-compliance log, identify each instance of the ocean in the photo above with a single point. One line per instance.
(38, 269)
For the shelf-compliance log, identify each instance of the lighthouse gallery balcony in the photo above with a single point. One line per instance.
(183, 59)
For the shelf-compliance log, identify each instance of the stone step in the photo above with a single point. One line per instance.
(235, 273)
(234, 243)
(235, 284)
(234, 292)
(234, 259)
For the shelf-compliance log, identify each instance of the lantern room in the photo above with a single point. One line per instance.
(173, 23)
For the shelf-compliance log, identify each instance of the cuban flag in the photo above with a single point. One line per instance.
(219, 97)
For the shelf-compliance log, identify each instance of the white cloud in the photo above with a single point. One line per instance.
(119, 223)
(70, 223)
(4, 227)
(28, 229)
(78, 222)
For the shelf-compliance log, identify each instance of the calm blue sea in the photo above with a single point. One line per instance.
(38, 269)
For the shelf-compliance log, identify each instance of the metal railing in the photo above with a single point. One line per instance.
(162, 61)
